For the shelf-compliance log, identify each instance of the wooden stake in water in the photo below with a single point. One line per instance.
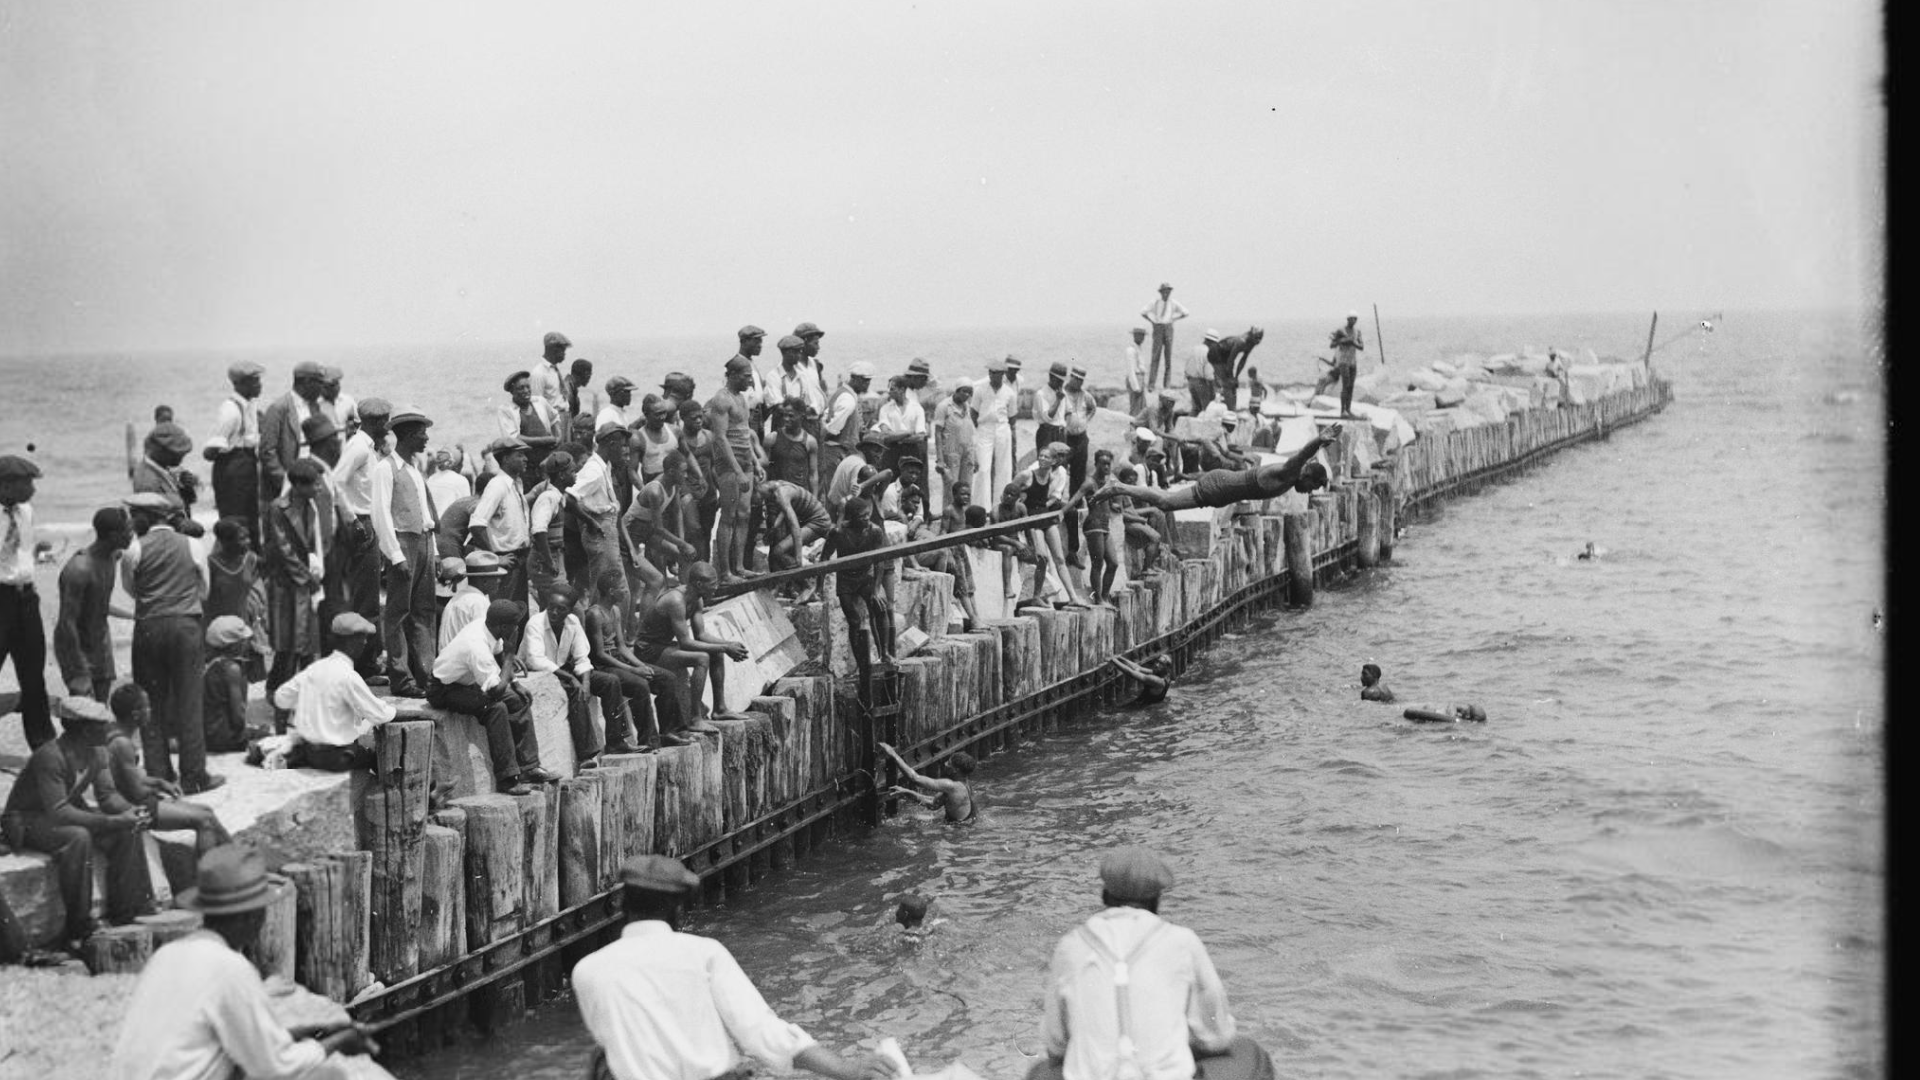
(1650, 329)
(1379, 340)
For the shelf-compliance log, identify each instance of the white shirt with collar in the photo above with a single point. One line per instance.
(16, 562)
(353, 476)
(466, 605)
(909, 418)
(388, 470)
(471, 658)
(130, 558)
(593, 490)
(996, 407)
(540, 650)
(1164, 310)
(549, 384)
(1177, 999)
(331, 703)
(503, 510)
(671, 1006)
(237, 425)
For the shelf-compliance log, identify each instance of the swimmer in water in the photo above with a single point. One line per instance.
(1454, 714)
(911, 914)
(1588, 554)
(1371, 688)
(1155, 677)
(952, 793)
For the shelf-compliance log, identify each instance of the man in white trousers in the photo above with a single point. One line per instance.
(995, 400)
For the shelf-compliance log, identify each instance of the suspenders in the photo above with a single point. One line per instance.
(1122, 982)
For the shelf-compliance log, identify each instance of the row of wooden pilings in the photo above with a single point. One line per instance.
(470, 912)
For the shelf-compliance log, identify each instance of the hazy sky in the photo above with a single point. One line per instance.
(218, 174)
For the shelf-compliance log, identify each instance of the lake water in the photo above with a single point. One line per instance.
(1662, 857)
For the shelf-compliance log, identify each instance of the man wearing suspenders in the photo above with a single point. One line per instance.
(1131, 996)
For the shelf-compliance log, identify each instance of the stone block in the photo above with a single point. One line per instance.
(989, 576)
(288, 815)
(32, 894)
(774, 646)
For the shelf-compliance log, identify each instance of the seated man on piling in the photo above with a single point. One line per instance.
(656, 528)
(639, 681)
(673, 635)
(49, 810)
(557, 642)
(1142, 530)
(469, 677)
(952, 793)
(1129, 992)
(663, 1004)
(1020, 548)
(952, 561)
(1371, 688)
(333, 712)
(481, 575)
(867, 605)
(200, 1008)
(1221, 487)
(1155, 677)
(159, 797)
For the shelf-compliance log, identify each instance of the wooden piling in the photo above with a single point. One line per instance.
(1299, 534)
(443, 928)
(333, 896)
(1367, 549)
(495, 868)
(580, 838)
(118, 950)
(170, 925)
(274, 948)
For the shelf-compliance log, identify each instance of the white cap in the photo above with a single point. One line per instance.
(1145, 434)
(1353, 314)
(861, 369)
(1212, 335)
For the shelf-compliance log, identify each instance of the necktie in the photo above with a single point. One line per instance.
(10, 547)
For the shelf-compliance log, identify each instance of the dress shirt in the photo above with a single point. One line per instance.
(466, 605)
(1177, 1000)
(16, 544)
(593, 490)
(803, 383)
(1136, 369)
(671, 1006)
(546, 507)
(1198, 366)
(471, 658)
(331, 703)
(342, 410)
(389, 470)
(448, 487)
(610, 414)
(843, 406)
(503, 508)
(236, 426)
(508, 418)
(200, 1012)
(909, 418)
(1076, 408)
(995, 407)
(590, 401)
(841, 486)
(353, 476)
(1163, 311)
(549, 384)
(541, 651)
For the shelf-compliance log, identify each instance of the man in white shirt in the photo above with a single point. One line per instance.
(555, 641)
(1137, 383)
(404, 517)
(200, 1009)
(664, 1005)
(1162, 314)
(23, 636)
(479, 577)
(502, 522)
(597, 497)
(1127, 990)
(618, 410)
(234, 448)
(469, 677)
(333, 710)
(902, 423)
(549, 382)
(995, 399)
(840, 430)
(528, 419)
(353, 486)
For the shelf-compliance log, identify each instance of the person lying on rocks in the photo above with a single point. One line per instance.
(1222, 487)
(952, 793)
(1155, 677)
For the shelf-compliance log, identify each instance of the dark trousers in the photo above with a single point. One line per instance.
(23, 638)
(169, 664)
(613, 710)
(306, 755)
(129, 890)
(508, 720)
(1162, 348)
(236, 489)
(637, 706)
(410, 617)
(360, 575)
(1076, 475)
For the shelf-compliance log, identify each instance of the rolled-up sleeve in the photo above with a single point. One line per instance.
(1053, 1024)
(1209, 1023)
(256, 1041)
(758, 1033)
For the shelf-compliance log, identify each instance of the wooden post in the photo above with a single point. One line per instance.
(1367, 546)
(118, 950)
(1651, 327)
(580, 812)
(1379, 339)
(539, 868)
(495, 868)
(443, 926)
(332, 912)
(1299, 532)
(170, 925)
(274, 950)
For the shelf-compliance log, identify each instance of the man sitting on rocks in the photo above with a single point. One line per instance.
(333, 710)
(160, 798)
(468, 677)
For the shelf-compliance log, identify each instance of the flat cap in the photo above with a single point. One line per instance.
(170, 436)
(318, 428)
(676, 378)
(331, 373)
(228, 630)
(1166, 285)
(507, 444)
(807, 330)
(1211, 335)
(309, 369)
(151, 501)
(555, 337)
(750, 331)
(1145, 435)
(1077, 372)
(918, 366)
(658, 873)
(374, 406)
(739, 365)
(1134, 873)
(1058, 449)
(860, 370)
(790, 342)
(243, 369)
(996, 365)
(620, 382)
(514, 378)
(409, 416)
(452, 568)
(506, 610)
(15, 467)
(609, 430)
(86, 709)
(483, 564)
(347, 623)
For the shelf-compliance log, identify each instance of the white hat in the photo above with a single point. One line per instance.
(1145, 434)
(1212, 335)
(1353, 314)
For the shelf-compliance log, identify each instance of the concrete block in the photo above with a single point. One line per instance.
(552, 730)
(989, 590)
(32, 893)
(774, 646)
(288, 815)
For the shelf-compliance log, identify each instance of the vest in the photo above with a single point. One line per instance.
(165, 581)
(408, 515)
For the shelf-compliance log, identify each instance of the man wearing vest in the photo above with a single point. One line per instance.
(404, 518)
(167, 579)
(1131, 996)
(840, 431)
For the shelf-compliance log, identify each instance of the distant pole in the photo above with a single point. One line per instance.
(132, 441)
(1650, 329)
(1378, 338)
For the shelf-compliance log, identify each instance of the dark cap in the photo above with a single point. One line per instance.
(374, 406)
(1057, 368)
(15, 467)
(739, 365)
(807, 330)
(609, 430)
(658, 873)
(514, 378)
(790, 342)
(619, 382)
(1134, 873)
(318, 428)
(504, 610)
(244, 369)
(555, 337)
(676, 378)
(170, 436)
(403, 417)
(506, 444)
(750, 331)
(309, 369)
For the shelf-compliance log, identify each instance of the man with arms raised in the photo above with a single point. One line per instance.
(1222, 487)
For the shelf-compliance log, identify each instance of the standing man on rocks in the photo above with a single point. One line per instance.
(1346, 343)
(167, 578)
(361, 561)
(996, 399)
(1161, 315)
(549, 381)
(736, 460)
(841, 428)
(23, 637)
(752, 338)
(404, 519)
(233, 446)
(1076, 409)
(528, 420)
(159, 471)
(280, 444)
(1137, 384)
(502, 522)
(597, 499)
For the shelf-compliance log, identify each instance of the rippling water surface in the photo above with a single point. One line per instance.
(1661, 857)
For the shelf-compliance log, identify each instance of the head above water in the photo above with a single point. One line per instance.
(912, 911)
(1369, 674)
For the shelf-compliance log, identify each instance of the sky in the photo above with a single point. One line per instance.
(239, 174)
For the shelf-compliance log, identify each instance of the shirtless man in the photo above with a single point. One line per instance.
(607, 651)
(673, 635)
(794, 519)
(82, 645)
(1222, 487)
(736, 466)
(1371, 688)
(652, 529)
(951, 793)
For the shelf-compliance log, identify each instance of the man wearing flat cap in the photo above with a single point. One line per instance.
(529, 419)
(549, 377)
(1129, 993)
(304, 528)
(404, 521)
(159, 471)
(234, 448)
(353, 487)
(332, 710)
(166, 575)
(200, 1008)
(752, 340)
(23, 637)
(280, 429)
(502, 520)
(665, 1004)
